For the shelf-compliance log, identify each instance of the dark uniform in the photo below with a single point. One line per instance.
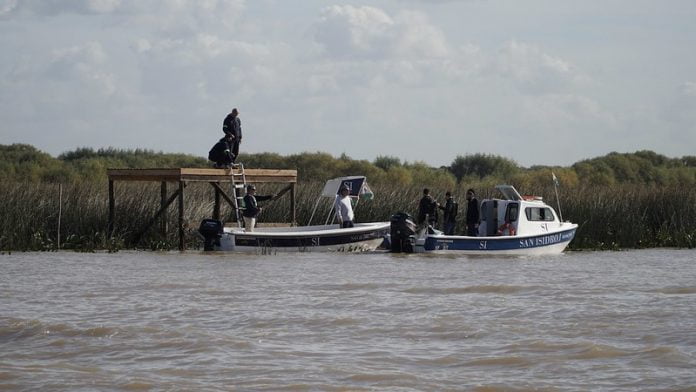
(427, 206)
(449, 217)
(232, 125)
(221, 153)
(251, 208)
(472, 217)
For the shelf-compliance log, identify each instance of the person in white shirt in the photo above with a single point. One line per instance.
(344, 210)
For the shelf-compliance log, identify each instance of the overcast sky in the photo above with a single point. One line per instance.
(537, 81)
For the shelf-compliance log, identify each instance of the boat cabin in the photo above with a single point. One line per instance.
(515, 214)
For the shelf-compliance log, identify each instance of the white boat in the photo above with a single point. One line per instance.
(328, 237)
(514, 225)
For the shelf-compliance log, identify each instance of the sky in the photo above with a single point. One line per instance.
(541, 82)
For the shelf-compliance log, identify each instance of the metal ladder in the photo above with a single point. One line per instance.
(236, 184)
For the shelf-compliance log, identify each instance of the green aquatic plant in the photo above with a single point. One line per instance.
(609, 217)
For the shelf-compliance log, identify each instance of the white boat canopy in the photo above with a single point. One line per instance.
(357, 185)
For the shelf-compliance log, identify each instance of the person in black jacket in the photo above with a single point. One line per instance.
(221, 153)
(232, 125)
(251, 209)
(449, 217)
(427, 207)
(472, 214)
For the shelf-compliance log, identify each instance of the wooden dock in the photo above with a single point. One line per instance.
(181, 176)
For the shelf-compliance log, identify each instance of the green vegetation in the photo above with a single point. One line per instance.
(633, 200)
(24, 163)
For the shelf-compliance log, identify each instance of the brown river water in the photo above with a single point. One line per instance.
(141, 321)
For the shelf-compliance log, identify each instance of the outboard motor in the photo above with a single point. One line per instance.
(402, 233)
(211, 230)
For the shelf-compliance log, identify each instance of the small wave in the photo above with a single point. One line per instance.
(541, 346)
(137, 386)
(499, 361)
(599, 351)
(4, 376)
(509, 388)
(348, 286)
(343, 321)
(171, 286)
(676, 290)
(481, 289)
(491, 388)
(442, 333)
(382, 377)
(664, 355)
(221, 293)
(18, 329)
(22, 329)
(449, 360)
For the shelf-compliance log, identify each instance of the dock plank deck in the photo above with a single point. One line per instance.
(203, 174)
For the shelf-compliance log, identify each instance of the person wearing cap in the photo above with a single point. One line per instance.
(232, 126)
(449, 217)
(251, 208)
(344, 209)
(221, 153)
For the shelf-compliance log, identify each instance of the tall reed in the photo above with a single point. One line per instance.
(616, 217)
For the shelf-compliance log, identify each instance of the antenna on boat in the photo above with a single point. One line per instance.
(558, 201)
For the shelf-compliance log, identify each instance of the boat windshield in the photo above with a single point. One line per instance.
(509, 192)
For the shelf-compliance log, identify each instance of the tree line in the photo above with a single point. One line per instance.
(25, 163)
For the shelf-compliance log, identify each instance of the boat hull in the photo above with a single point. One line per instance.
(539, 244)
(329, 238)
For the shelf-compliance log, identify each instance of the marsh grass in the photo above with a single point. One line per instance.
(616, 217)
(632, 216)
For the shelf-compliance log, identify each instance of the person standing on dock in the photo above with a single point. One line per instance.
(344, 210)
(232, 125)
(472, 214)
(449, 217)
(251, 208)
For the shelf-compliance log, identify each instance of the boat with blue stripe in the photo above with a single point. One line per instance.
(550, 243)
(512, 225)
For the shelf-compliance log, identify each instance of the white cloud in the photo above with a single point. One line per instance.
(206, 65)
(7, 6)
(370, 33)
(103, 6)
(689, 89)
(83, 65)
(678, 115)
(416, 36)
(185, 17)
(56, 7)
(536, 72)
(347, 31)
(156, 12)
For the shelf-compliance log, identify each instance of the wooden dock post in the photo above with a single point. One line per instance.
(182, 243)
(112, 202)
(163, 205)
(216, 207)
(292, 205)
